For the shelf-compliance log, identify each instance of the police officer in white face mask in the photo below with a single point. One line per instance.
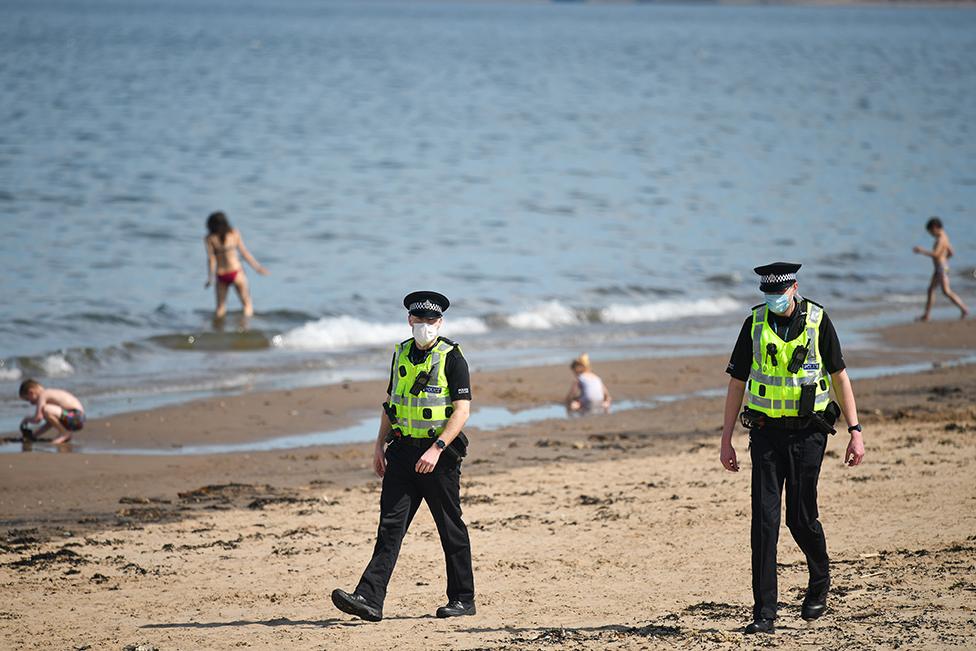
(418, 454)
(786, 362)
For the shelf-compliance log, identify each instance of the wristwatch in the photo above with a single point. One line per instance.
(854, 428)
(440, 444)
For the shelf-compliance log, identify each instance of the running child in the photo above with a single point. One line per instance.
(940, 254)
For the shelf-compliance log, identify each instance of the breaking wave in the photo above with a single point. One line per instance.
(341, 332)
(544, 317)
(55, 365)
(668, 310)
(10, 374)
(345, 332)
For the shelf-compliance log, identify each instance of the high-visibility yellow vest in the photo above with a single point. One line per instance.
(772, 389)
(426, 414)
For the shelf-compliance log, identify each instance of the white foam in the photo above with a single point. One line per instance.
(904, 298)
(543, 317)
(10, 374)
(466, 325)
(342, 332)
(56, 366)
(667, 310)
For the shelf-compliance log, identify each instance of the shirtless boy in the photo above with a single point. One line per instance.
(56, 407)
(940, 254)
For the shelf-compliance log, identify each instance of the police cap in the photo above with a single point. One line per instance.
(777, 276)
(426, 304)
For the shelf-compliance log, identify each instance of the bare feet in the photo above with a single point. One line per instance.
(64, 438)
(964, 314)
(924, 317)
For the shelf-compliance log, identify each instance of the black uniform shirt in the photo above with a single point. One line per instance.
(788, 328)
(455, 369)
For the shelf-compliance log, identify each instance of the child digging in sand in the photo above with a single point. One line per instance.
(56, 407)
(940, 254)
(587, 394)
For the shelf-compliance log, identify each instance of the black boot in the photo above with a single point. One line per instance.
(760, 626)
(456, 608)
(814, 604)
(355, 605)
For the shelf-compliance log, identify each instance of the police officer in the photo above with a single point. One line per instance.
(418, 454)
(786, 359)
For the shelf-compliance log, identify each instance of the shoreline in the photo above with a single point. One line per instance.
(92, 484)
(266, 415)
(579, 518)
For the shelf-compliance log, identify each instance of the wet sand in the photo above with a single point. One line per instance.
(611, 532)
(955, 334)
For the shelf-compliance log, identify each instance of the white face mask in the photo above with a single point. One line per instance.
(425, 333)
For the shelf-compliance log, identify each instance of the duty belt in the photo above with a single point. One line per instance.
(819, 420)
(414, 442)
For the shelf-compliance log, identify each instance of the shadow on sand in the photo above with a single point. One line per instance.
(278, 621)
(567, 634)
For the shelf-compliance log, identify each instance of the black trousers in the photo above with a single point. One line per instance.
(793, 459)
(403, 490)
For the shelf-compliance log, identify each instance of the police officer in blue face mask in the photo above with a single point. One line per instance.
(785, 361)
(418, 454)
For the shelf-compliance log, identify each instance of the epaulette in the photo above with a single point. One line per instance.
(756, 307)
(816, 303)
(449, 341)
(408, 339)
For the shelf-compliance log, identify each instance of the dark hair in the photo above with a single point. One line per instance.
(935, 222)
(218, 225)
(27, 385)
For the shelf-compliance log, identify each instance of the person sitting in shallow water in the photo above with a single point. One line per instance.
(58, 408)
(223, 242)
(588, 393)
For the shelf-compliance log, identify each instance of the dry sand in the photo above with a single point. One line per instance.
(611, 532)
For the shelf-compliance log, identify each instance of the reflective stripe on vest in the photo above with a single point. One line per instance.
(780, 389)
(821, 401)
(410, 401)
(430, 410)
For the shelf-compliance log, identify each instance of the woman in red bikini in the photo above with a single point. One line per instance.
(223, 242)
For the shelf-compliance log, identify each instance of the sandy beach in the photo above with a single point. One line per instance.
(620, 531)
(598, 176)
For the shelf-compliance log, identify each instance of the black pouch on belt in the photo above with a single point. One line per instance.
(819, 423)
(458, 449)
(808, 395)
(832, 413)
(752, 419)
(395, 431)
(391, 414)
(460, 443)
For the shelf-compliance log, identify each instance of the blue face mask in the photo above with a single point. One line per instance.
(779, 303)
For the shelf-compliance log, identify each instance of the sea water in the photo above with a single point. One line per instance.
(573, 176)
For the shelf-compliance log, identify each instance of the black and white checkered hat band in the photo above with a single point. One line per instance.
(426, 305)
(772, 279)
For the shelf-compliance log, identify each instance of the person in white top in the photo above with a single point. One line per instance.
(588, 393)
